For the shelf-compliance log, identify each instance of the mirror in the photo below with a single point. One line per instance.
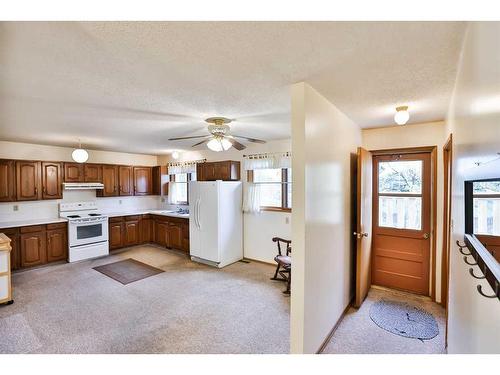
(486, 214)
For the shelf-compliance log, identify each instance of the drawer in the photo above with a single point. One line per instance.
(4, 261)
(117, 219)
(10, 231)
(56, 226)
(33, 228)
(4, 288)
(133, 218)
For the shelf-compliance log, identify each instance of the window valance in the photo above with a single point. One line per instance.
(268, 160)
(183, 166)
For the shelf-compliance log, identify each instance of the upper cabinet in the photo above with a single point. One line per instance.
(28, 180)
(126, 178)
(143, 181)
(7, 181)
(160, 180)
(51, 180)
(74, 172)
(228, 170)
(110, 181)
(92, 172)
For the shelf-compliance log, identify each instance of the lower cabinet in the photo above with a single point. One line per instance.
(33, 249)
(169, 232)
(57, 245)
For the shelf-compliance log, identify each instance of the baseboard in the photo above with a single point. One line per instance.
(329, 336)
(259, 261)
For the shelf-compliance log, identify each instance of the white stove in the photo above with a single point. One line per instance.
(87, 230)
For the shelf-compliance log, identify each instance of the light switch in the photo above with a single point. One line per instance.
(15, 207)
(287, 220)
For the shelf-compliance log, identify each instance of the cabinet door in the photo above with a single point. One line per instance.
(115, 235)
(110, 181)
(126, 180)
(57, 245)
(7, 181)
(15, 256)
(93, 172)
(33, 249)
(73, 172)
(143, 181)
(28, 180)
(131, 233)
(146, 230)
(223, 171)
(161, 233)
(51, 180)
(175, 236)
(185, 236)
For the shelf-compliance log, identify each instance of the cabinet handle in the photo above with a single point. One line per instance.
(114, 188)
(36, 191)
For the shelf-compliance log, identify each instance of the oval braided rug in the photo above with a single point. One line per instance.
(404, 320)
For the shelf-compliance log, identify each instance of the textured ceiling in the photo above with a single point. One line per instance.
(129, 86)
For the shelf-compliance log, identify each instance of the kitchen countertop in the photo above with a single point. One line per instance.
(27, 222)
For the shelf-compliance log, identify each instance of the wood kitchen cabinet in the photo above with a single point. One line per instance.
(228, 170)
(132, 234)
(15, 256)
(126, 178)
(160, 180)
(57, 245)
(161, 233)
(7, 181)
(52, 180)
(28, 180)
(92, 172)
(74, 172)
(175, 236)
(33, 247)
(146, 229)
(143, 180)
(110, 181)
(115, 232)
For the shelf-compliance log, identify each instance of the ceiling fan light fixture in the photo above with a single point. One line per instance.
(226, 145)
(215, 145)
(402, 115)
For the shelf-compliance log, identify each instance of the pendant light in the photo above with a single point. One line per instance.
(402, 115)
(79, 154)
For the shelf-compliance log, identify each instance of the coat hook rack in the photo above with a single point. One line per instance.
(480, 290)
(467, 262)
(463, 252)
(471, 271)
(458, 244)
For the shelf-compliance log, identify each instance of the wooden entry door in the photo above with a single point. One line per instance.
(363, 225)
(402, 221)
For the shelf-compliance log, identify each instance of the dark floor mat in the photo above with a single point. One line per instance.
(127, 271)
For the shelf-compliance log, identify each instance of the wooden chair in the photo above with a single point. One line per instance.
(284, 267)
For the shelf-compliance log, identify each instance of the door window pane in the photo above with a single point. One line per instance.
(400, 177)
(400, 212)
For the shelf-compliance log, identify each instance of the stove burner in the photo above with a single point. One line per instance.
(92, 214)
(73, 216)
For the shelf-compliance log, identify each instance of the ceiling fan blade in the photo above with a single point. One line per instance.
(254, 140)
(196, 136)
(200, 143)
(237, 145)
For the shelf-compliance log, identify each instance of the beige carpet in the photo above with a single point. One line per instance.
(189, 308)
(358, 334)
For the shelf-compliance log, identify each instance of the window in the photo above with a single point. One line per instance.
(275, 187)
(486, 200)
(400, 194)
(181, 191)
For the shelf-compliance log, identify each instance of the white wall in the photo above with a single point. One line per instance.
(323, 142)
(474, 120)
(416, 135)
(49, 208)
(258, 229)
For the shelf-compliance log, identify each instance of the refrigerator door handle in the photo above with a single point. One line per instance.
(198, 213)
(195, 213)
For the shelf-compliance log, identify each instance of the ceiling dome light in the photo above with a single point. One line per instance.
(79, 154)
(402, 115)
(175, 155)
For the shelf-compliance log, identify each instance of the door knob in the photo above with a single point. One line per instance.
(360, 235)
(426, 236)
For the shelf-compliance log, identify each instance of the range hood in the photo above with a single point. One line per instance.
(83, 186)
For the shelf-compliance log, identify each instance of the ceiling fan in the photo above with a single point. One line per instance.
(219, 138)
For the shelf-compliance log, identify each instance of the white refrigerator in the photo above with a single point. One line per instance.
(215, 222)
